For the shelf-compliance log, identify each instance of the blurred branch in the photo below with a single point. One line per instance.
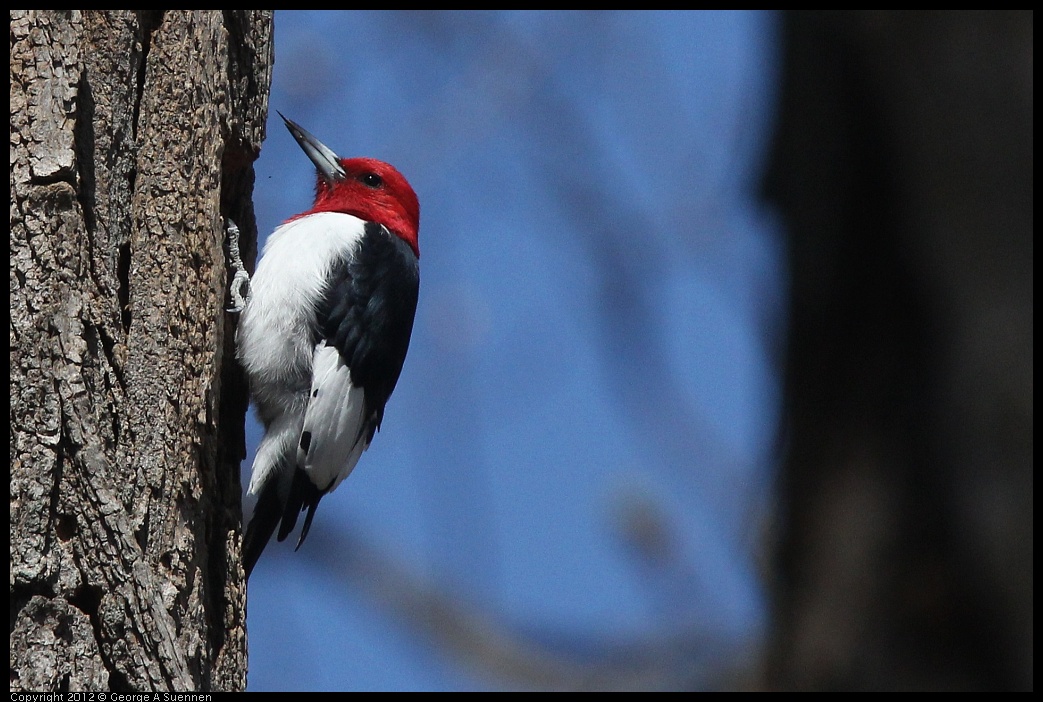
(679, 660)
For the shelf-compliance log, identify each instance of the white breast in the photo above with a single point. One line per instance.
(276, 327)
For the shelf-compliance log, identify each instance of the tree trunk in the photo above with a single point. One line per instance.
(132, 138)
(903, 165)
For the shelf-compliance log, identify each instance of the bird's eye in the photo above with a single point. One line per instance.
(372, 180)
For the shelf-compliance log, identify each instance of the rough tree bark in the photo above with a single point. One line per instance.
(903, 165)
(132, 137)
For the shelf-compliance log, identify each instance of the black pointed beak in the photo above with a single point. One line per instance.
(326, 162)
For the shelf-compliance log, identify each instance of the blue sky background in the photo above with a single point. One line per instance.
(577, 460)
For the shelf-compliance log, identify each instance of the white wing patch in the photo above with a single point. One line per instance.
(332, 439)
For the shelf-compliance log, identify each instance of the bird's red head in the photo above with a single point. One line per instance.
(374, 191)
(365, 187)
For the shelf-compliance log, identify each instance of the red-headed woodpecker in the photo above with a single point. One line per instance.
(324, 333)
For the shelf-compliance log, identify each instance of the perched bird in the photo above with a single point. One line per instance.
(324, 333)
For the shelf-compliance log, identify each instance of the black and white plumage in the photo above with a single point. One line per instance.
(324, 334)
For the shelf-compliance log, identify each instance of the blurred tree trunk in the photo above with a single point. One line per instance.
(903, 165)
(133, 136)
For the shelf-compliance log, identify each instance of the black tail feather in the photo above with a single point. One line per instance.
(271, 510)
(307, 519)
(303, 493)
(267, 513)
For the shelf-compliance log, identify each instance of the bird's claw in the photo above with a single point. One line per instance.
(235, 291)
(241, 279)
